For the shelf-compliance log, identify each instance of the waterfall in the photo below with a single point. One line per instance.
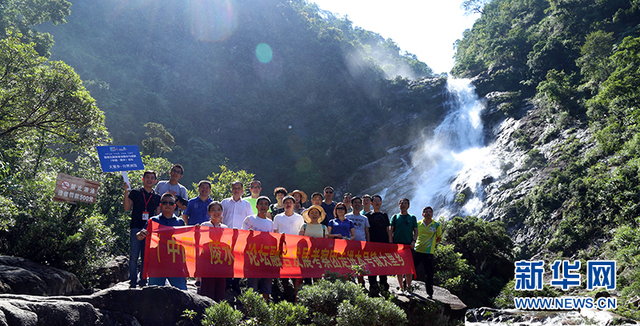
(451, 165)
(451, 161)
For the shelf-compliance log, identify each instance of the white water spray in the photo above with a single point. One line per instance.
(449, 167)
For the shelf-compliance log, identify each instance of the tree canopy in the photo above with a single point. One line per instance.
(38, 96)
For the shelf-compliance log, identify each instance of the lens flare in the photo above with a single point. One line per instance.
(303, 164)
(295, 143)
(212, 20)
(267, 63)
(264, 53)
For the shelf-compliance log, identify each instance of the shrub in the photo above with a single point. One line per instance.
(221, 314)
(370, 312)
(255, 307)
(258, 312)
(324, 298)
(285, 313)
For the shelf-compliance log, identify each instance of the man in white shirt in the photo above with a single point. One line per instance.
(235, 209)
(288, 222)
(260, 222)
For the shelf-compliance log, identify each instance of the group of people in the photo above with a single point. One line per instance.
(353, 218)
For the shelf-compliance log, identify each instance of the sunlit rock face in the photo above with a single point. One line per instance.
(479, 160)
(447, 167)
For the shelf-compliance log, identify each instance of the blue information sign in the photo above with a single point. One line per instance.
(120, 158)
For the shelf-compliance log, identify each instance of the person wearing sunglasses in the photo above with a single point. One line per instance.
(328, 204)
(340, 227)
(166, 217)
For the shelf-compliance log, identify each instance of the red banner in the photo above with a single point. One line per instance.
(216, 252)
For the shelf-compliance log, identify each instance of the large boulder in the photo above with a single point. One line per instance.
(22, 276)
(118, 305)
(151, 305)
(33, 310)
(116, 271)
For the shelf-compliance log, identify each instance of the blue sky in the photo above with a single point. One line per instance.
(426, 28)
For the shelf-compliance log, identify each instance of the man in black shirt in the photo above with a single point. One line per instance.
(378, 232)
(145, 202)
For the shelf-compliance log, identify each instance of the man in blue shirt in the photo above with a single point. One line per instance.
(196, 212)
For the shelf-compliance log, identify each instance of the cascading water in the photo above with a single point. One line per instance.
(450, 166)
(452, 161)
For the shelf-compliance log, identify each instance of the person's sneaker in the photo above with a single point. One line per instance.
(132, 285)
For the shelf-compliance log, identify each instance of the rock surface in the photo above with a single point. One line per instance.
(21, 276)
(116, 271)
(119, 305)
(152, 305)
(490, 316)
(451, 307)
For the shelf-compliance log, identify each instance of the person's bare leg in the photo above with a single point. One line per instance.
(409, 277)
(400, 278)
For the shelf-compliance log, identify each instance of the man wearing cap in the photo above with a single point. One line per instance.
(235, 209)
(175, 188)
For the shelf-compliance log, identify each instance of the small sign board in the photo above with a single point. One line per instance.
(73, 190)
(120, 158)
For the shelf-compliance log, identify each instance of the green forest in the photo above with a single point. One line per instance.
(578, 63)
(299, 91)
(288, 83)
